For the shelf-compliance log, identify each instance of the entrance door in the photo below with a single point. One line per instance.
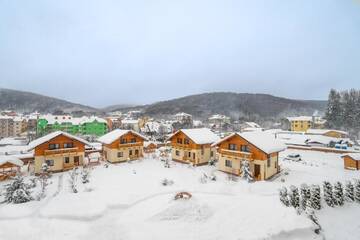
(257, 171)
(76, 160)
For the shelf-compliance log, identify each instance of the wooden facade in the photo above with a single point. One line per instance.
(351, 163)
(234, 150)
(185, 150)
(60, 153)
(129, 146)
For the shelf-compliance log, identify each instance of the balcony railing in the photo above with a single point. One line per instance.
(247, 155)
(60, 151)
(135, 144)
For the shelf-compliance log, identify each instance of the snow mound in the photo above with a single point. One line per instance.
(185, 210)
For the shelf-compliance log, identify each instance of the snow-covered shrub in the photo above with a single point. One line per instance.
(246, 172)
(43, 179)
(33, 182)
(294, 196)
(283, 195)
(203, 178)
(357, 191)
(73, 180)
(311, 215)
(349, 192)
(167, 182)
(305, 196)
(328, 193)
(17, 191)
(212, 162)
(106, 165)
(338, 194)
(212, 177)
(85, 175)
(315, 199)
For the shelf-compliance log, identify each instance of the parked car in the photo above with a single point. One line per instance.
(293, 157)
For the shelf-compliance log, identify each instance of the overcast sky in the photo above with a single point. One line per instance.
(140, 51)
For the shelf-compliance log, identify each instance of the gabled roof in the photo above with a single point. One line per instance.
(263, 141)
(199, 135)
(355, 156)
(116, 134)
(52, 135)
(300, 118)
(11, 159)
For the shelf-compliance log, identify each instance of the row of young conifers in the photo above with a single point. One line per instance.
(306, 199)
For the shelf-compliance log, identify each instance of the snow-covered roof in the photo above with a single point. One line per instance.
(355, 156)
(182, 114)
(218, 117)
(199, 135)
(52, 135)
(52, 119)
(300, 118)
(253, 129)
(116, 134)
(130, 121)
(11, 159)
(252, 124)
(324, 131)
(264, 141)
(16, 141)
(147, 143)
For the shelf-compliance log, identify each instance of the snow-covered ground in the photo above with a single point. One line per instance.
(128, 201)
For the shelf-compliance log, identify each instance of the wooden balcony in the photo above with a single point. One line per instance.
(126, 145)
(245, 155)
(60, 151)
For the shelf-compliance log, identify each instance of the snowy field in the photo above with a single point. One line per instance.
(128, 201)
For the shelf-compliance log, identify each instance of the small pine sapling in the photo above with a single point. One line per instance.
(85, 175)
(43, 179)
(338, 194)
(328, 193)
(17, 191)
(73, 180)
(304, 196)
(357, 191)
(284, 198)
(246, 171)
(315, 199)
(349, 192)
(294, 197)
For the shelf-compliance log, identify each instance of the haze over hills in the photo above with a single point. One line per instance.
(200, 105)
(29, 102)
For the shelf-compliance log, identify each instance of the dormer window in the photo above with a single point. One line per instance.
(133, 140)
(68, 145)
(123, 141)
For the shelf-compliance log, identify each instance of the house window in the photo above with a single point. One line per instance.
(211, 154)
(54, 146)
(177, 153)
(130, 152)
(133, 140)
(136, 152)
(49, 162)
(244, 148)
(186, 141)
(194, 156)
(228, 163)
(66, 160)
(232, 146)
(269, 162)
(68, 145)
(202, 150)
(120, 154)
(179, 140)
(123, 140)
